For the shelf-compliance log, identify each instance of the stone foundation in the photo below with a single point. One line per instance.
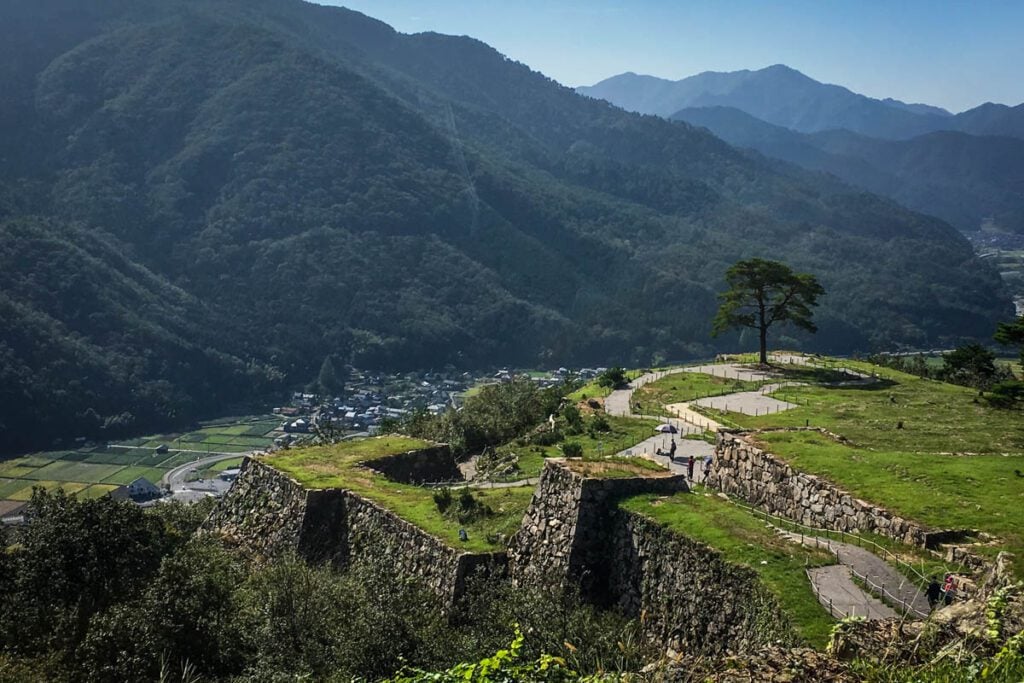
(760, 478)
(267, 513)
(688, 597)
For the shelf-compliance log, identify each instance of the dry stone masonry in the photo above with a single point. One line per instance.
(688, 597)
(268, 512)
(691, 599)
(762, 479)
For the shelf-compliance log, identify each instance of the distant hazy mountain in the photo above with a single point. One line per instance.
(785, 97)
(961, 178)
(993, 119)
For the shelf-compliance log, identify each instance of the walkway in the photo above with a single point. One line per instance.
(838, 593)
(880, 577)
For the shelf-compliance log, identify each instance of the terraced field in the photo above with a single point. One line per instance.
(94, 471)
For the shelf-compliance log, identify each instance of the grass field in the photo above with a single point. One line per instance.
(338, 466)
(952, 465)
(744, 540)
(651, 398)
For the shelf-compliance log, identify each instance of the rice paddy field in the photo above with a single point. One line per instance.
(93, 471)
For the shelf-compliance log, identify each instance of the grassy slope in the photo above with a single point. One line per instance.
(338, 466)
(744, 540)
(594, 390)
(624, 433)
(914, 471)
(684, 386)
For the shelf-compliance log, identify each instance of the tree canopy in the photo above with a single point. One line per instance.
(762, 293)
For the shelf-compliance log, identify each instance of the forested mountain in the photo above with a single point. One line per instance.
(201, 199)
(963, 179)
(785, 97)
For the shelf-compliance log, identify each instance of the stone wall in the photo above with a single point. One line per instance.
(691, 599)
(760, 478)
(563, 538)
(426, 465)
(267, 512)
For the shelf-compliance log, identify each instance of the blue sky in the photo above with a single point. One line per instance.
(951, 54)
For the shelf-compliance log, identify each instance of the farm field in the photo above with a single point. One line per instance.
(94, 471)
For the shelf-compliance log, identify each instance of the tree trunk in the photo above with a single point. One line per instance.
(762, 328)
(764, 345)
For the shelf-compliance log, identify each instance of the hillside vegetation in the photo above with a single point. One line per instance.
(219, 194)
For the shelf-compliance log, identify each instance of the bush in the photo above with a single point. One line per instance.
(612, 377)
(443, 499)
(547, 438)
(572, 449)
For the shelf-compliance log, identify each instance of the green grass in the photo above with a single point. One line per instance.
(594, 390)
(218, 467)
(10, 486)
(25, 493)
(941, 491)
(95, 491)
(937, 417)
(617, 467)
(85, 472)
(119, 456)
(338, 466)
(625, 433)
(744, 540)
(684, 386)
(130, 474)
(225, 464)
(175, 458)
(15, 469)
(950, 466)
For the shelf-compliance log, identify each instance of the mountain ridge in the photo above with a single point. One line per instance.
(311, 183)
(784, 96)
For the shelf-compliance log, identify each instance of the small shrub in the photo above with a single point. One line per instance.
(599, 423)
(547, 438)
(571, 449)
(443, 499)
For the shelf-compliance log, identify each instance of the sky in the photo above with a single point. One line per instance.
(953, 54)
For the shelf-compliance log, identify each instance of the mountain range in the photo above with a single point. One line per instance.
(785, 97)
(200, 200)
(967, 169)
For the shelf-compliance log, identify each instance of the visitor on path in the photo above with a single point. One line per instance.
(672, 450)
(707, 466)
(934, 592)
(949, 589)
(689, 467)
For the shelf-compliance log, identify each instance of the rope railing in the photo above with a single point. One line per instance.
(894, 599)
(843, 536)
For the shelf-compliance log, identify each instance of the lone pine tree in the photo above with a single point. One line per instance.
(762, 293)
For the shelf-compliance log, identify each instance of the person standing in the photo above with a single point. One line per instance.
(934, 592)
(672, 450)
(689, 467)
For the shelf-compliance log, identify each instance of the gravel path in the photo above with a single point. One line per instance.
(881, 577)
(838, 593)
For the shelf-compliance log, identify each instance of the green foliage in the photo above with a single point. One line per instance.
(614, 378)
(762, 293)
(505, 666)
(329, 380)
(496, 415)
(62, 572)
(573, 419)
(572, 449)
(971, 365)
